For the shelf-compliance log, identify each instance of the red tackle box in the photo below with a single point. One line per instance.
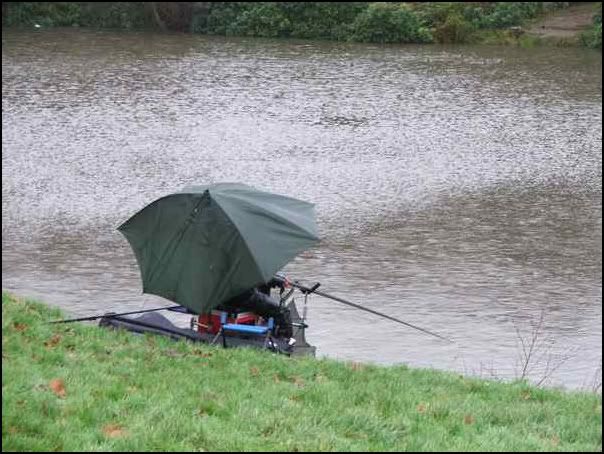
(210, 323)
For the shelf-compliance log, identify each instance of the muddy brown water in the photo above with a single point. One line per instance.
(457, 188)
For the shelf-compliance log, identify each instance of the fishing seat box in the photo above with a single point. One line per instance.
(212, 321)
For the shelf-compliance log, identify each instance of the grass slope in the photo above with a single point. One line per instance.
(80, 388)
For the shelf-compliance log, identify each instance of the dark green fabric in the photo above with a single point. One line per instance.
(206, 244)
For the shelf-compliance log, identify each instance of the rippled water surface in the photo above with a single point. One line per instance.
(457, 188)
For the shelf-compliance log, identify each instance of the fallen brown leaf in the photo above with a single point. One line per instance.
(20, 326)
(113, 431)
(468, 419)
(53, 341)
(58, 387)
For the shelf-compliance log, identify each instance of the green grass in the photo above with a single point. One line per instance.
(80, 388)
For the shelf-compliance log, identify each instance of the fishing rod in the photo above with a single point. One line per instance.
(174, 334)
(94, 317)
(313, 289)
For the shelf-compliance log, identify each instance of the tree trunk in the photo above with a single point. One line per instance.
(160, 23)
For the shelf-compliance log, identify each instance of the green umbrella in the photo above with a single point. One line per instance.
(207, 244)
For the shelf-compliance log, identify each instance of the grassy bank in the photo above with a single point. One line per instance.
(76, 387)
(377, 22)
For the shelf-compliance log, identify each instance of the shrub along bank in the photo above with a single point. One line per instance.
(377, 22)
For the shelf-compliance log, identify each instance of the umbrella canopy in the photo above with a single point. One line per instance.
(207, 244)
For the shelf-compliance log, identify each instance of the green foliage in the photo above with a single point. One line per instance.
(479, 14)
(119, 15)
(382, 22)
(508, 14)
(598, 15)
(433, 14)
(356, 21)
(319, 20)
(220, 16)
(323, 20)
(122, 15)
(82, 388)
(455, 29)
(458, 22)
(389, 23)
(592, 37)
(47, 14)
(597, 36)
(264, 19)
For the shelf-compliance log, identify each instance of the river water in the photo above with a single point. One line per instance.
(457, 188)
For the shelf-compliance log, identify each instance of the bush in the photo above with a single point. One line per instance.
(508, 14)
(455, 30)
(120, 15)
(389, 23)
(263, 19)
(90, 14)
(319, 20)
(48, 14)
(220, 16)
(323, 20)
(383, 22)
(434, 14)
(593, 37)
